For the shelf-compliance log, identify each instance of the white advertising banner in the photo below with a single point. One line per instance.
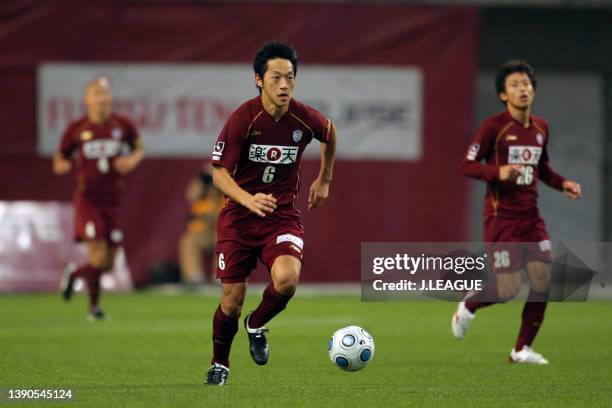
(36, 243)
(179, 109)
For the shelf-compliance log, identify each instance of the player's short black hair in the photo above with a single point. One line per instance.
(273, 50)
(509, 68)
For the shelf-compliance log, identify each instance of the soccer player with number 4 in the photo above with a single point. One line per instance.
(104, 146)
(257, 161)
(513, 146)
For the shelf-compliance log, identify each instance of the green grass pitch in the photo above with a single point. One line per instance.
(156, 350)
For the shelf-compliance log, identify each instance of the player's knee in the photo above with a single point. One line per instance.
(541, 282)
(509, 290)
(231, 308)
(285, 282)
(539, 275)
(231, 304)
(97, 261)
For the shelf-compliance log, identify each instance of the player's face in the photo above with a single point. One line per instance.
(519, 91)
(98, 100)
(278, 82)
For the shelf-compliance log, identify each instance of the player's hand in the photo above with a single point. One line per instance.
(124, 164)
(261, 204)
(510, 172)
(61, 166)
(572, 190)
(319, 191)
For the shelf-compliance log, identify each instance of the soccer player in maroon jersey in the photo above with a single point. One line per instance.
(257, 166)
(513, 146)
(104, 146)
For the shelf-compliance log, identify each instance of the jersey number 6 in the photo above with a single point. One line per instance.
(268, 174)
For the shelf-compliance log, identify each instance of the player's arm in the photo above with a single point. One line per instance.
(261, 204)
(61, 165)
(127, 163)
(481, 148)
(61, 159)
(570, 188)
(319, 190)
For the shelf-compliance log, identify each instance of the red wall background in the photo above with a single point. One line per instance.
(426, 200)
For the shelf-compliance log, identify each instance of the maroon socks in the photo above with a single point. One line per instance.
(92, 277)
(225, 327)
(533, 316)
(272, 304)
(224, 330)
(486, 297)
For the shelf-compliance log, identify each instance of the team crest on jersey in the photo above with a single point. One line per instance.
(540, 138)
(297, 136)
(116, 133)
(273, 154)
(524, 154)
(218, 150)
(86, 135)
(473, 151)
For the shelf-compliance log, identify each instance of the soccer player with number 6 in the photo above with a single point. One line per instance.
(256, 162)
(513, 146)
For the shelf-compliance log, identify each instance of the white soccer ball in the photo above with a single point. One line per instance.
(351, 348)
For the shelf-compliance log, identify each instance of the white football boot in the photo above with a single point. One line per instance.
(461, 320)
(527, 355)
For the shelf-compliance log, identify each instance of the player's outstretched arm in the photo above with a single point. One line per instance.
(260, 204)
(571, 189)
(61, 165)
(126, 164)
(319, 190)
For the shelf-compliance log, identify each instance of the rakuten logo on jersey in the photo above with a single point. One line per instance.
(96, 149)
(524, 154)
(273, 154)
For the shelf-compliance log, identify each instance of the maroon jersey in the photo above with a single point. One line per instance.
(96, 146)
(264, 155)
(501, 140)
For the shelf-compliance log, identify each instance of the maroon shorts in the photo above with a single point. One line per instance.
(96, 222)
(516, 241)
(241, 242)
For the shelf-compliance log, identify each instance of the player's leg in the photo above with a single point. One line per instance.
(97, 228)
(285, 273)
(101, 259)
(225, 327)
(533, 314)
(505, 287)
(539, 257)
(282, 254)
(285, 276)
(225, 321)
(505, 259)
(236, 261)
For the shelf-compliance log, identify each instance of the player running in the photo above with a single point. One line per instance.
(513, 146)
(105, 146)
(257, 166)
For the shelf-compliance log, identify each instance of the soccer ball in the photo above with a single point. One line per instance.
(351, 348)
